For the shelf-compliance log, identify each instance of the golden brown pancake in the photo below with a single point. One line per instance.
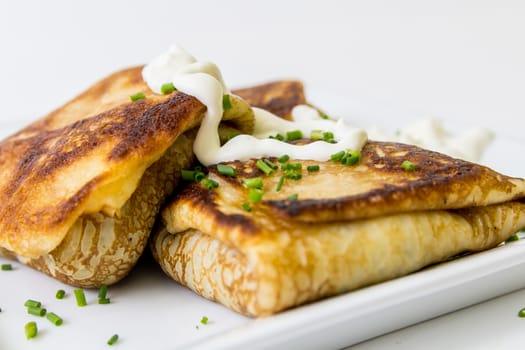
(81, 187)
(350, 226)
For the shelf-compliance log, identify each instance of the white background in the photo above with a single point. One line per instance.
(392, 61)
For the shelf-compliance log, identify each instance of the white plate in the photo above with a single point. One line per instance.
(149, 310)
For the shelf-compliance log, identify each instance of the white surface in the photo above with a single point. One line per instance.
(389, 62)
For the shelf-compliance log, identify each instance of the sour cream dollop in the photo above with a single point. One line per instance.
(204, 81)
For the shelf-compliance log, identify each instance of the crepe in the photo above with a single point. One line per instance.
(349, 227)
(82, 186)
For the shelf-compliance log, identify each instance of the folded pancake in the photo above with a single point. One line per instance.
(349, 227)
(82, 186)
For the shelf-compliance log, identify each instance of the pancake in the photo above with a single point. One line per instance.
(81, 187)
(334, 230)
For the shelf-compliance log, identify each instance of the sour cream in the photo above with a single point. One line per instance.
(204, 81)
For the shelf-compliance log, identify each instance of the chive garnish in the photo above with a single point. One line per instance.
(316, 135)
(80, 297)
(278, 137)
(408, 165)
(337, 156)
(226, 170)
(284, 158)
(32, 303)
(293, 197)
(255, 182)
(198, 176)
(280, 184)
(167, 88)
(226, 102)
(293, 175)
(271, 164)
(204, 320)
(246, 207)
(328, 136)
(54, 319)
(514, 237)
(137, 96)
(187, 175)
(60, 294)
(312, 168)
(209, 183)
(294, 135)
(7, 267)
(31, 330)
(36, 311)
(263, 167)
(521, 313)
(351, 157)
(102, 291)
(255, 195)
(113, 339)
(104, 301)
(323, 115)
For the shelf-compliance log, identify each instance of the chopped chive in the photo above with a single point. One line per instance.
(514, 237)
(198, 176)
(113, 339)
(278, 137)
(293, 175)
(294, 135)
(226, 102)
(328, 136)
(187, 175)
(54, 318)
(7, 267)
(226, 170)
(255, 195)
(521, 313)
(102, 291)
(246, 207)
(104, 301)
(137, 96)
(32, 303)
(338, 156)
(408, 165)
(204, 320)
(280, 184)
(284, 158)
(293, 197)
(264, 167)
(36, 311)
(255, 182)
(292, 166)
(324, 116)
(209, 183)
(31, 330)
(60, 294)
(167, 88)
(351, 157)
(312, 168)
(271, 164)
(80, 297)
(316, 135)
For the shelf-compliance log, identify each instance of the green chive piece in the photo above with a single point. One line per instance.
(324, 116)
(102, 291)
(293, 197)
(294, 135)
(104, 301)
(226, 170)
(209, 183)
(312, 168)
(278, 137)
(271, 164)
(328, 136)
(351, 157)
(246, 207)
(198, 176)
(167, 88)
(408, 165)
(31, 330)
(7, 267)
(137, 96)
(317, 135)
(187, 175)
(36, 311)
(80, 297)
(226, 102)
(60, 294)
(32, 303)
(514, 237)
(521, 313)
(255, 195)
(280, 184)
(293, 175)
(204, 320)
(284, 158)
(264, 167)
(113, 339)
(255, 182)
(54, 319)
(338, 156)
(292, 166)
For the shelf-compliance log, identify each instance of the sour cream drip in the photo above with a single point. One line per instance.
(203, 80)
